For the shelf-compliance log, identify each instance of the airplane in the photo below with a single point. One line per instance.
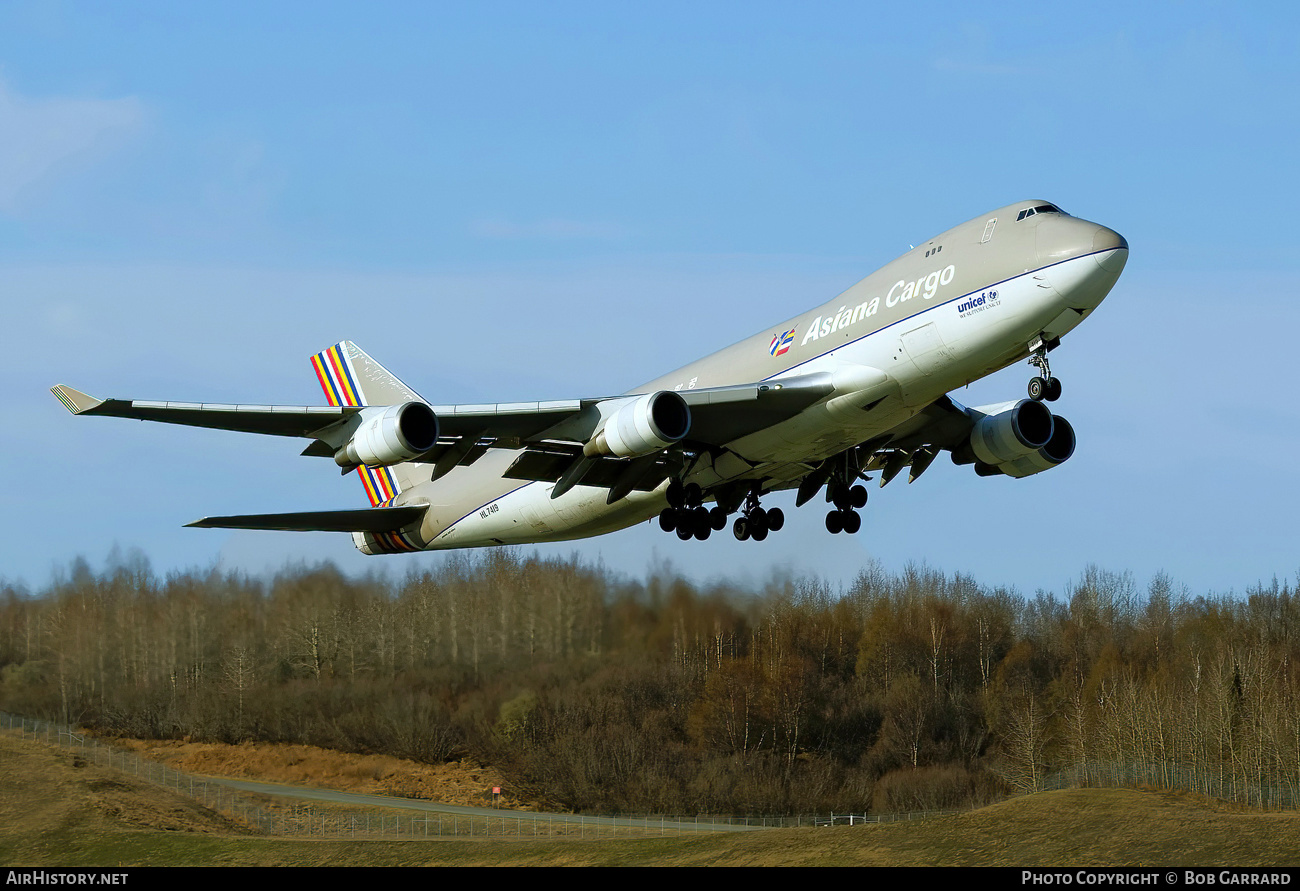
(818, 401)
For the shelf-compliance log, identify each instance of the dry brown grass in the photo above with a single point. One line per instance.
(55, 809)
(462, 782)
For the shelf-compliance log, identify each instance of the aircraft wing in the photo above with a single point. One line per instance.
(718, 415)
(550, 435)
(273, 420)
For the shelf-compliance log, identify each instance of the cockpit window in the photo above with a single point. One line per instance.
(1041, 208)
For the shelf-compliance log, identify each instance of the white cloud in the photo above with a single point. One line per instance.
(42, 138)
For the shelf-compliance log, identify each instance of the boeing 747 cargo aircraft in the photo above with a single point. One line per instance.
(816, 402)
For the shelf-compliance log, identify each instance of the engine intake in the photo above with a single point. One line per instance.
(1058, 449)
(642, 426)
(390, 435)
(1007, 433)
(1018, 440)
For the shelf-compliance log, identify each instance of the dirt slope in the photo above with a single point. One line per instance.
(462, 782)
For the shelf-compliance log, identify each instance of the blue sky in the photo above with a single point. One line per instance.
(529, 201)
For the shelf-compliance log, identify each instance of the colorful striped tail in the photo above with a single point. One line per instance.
(350, 377)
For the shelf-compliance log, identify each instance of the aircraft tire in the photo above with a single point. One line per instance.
(775, 519)
(740, 529)
(840, 496)
(858, 496)
(668, 519)
(718, 519)
(692, 494)
(683, 533)
(834, 522)
(1053, 390)
(1037, 389)
(852, 521)
(676, 494)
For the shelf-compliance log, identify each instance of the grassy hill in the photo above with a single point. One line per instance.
(57, 810)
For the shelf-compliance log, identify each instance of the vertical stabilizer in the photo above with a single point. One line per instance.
(349, 376)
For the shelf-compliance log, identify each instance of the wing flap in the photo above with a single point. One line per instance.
(548, 464)
(367, 519)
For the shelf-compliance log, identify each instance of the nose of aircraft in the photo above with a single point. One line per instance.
(1110, 250)
(1060, 237)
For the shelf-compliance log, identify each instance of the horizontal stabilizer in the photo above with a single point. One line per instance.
(366, 519)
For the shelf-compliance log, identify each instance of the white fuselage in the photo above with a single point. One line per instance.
(965, 316)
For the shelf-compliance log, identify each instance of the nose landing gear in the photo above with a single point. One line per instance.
(1043, 386)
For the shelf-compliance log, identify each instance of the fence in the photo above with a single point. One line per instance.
(260, 810)
(1271, 792)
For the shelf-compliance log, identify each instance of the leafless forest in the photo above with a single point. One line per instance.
(904, 691)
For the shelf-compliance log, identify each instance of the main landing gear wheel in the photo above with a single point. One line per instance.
(679, 495)
(755, 522)
(847, 497)
(686, 516)
(847, 520)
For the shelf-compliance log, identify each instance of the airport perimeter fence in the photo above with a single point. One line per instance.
(271, 814)
(266, 812)
(1275, 791)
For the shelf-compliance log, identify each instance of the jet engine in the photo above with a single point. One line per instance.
(642, 426)
(1017, 439)
(390, 435)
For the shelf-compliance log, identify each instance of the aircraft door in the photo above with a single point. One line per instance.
(926, 349)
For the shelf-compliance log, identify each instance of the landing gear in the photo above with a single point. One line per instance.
(838, 521)
(688, 518)
(848, 500)
(755, 522)
(1044, 386)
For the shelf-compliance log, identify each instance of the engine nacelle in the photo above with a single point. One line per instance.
(1018, 439)
(1059, 448)
(390, 435)
(1006, 434)
(642, 426)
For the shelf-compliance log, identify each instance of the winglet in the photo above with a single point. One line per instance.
(76, 401)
